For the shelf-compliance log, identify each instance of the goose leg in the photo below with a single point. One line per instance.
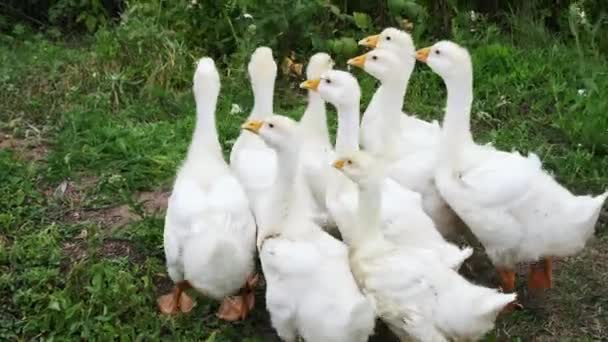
(507, 279)
(177, 300)
(507, 283)
(540, 275)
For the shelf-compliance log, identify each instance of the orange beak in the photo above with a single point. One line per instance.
(311, 84)
(338, 164)
(423, 54)
(358, 61)
(370, 42)
(252, 126)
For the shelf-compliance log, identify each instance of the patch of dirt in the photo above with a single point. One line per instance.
(75, 250)
(30, 149)
(154, 202)
(72, 194)
(114, 217)
(118, 248)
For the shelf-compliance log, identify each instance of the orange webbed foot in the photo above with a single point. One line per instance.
(232, 309)
(176, 301)
(185, 303)
(168, 304)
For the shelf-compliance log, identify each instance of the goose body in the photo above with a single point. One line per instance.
(209, 235)
(515, 208)
(413, 292)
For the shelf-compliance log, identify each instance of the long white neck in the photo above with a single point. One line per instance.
(456, 131)
(390, 97)
(263, 92)
(347, 137)
(205, 138)
(314, 120)
(367, 226)
(285, 194)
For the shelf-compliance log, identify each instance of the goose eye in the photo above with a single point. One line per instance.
(327, 80)
(375, 58)
(349, 162)
(388, 38)
(437, 52)
(271, 125)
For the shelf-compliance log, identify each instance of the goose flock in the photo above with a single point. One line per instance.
(395, 189)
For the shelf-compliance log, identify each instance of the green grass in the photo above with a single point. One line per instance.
(89, 130)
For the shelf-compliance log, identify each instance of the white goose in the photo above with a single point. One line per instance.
(316, 149)
(310, 291)
(254, 163)
(516, 209)
(409, 143)
(209, 235)
(403, 219)
(419, 298)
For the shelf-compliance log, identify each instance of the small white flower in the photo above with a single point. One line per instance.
(236, 109)
(194, 2)
(247, 16)
(582, 92)
(473, 16)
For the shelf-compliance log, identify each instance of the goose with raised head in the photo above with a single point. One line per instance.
(409, 143)
(310, 291)
(416, 295)
(316, 148)
(400, 204)
(515, 208)
(209, 235)
(254, 163)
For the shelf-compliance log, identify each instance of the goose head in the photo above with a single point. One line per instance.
(277, 131)
(447, 59)
(206, 78)
(262, 64)
(360, 167)
(392, 39)
(318, 64)
(337, 87)
(382, 64)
